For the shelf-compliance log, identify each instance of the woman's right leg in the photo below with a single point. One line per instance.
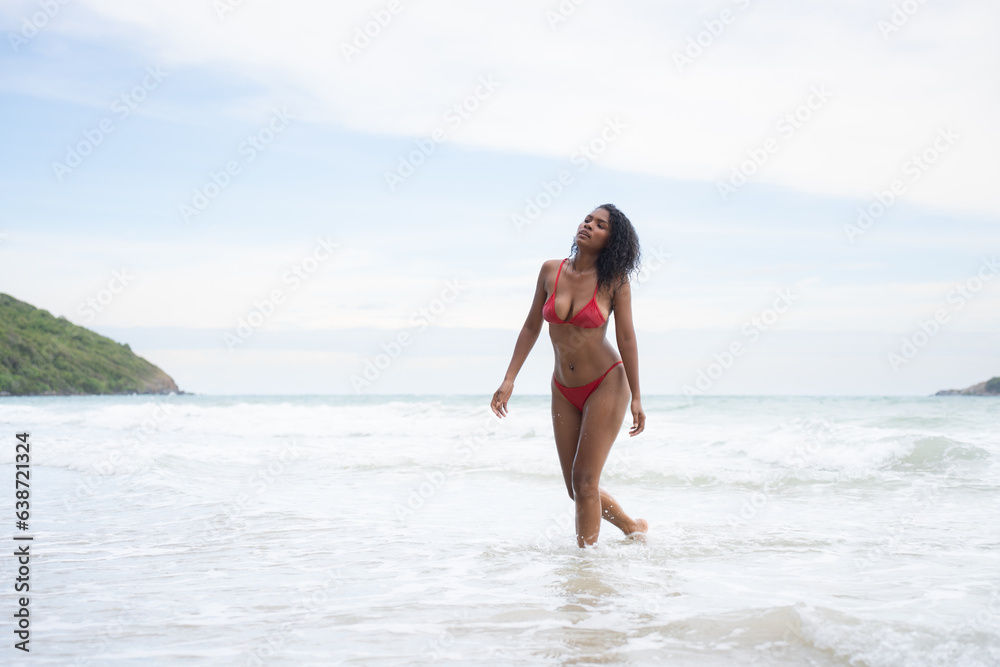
(566, 428)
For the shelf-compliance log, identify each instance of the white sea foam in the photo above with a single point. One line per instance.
(416, 530)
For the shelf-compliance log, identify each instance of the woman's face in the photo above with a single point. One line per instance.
(595, 230)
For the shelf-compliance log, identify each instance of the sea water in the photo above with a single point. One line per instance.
(412, 530)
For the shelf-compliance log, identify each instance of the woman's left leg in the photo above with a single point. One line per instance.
(603, 414)
(613, 512)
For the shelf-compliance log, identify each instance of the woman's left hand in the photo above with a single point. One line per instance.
(638, 418)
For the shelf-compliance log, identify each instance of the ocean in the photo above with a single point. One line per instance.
(422, 530)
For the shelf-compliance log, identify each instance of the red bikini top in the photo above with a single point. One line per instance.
(588, 318)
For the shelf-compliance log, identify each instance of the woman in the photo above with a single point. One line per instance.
(590, 384)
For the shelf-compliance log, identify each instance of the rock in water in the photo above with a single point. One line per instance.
(988, 388)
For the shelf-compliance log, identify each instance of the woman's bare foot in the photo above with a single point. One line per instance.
(640, 530)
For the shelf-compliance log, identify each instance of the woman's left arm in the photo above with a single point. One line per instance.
(629, 351)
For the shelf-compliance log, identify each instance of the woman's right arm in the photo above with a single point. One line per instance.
(525, 341)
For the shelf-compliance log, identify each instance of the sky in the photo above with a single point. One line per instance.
(356, 197)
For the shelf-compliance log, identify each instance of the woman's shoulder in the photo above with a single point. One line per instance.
(548, 272)
(551, 265)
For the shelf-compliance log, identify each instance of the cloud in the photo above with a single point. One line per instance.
(559, 84)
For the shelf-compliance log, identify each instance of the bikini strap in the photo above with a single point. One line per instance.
(556, 286)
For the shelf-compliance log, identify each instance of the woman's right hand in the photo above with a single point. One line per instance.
(499, 403)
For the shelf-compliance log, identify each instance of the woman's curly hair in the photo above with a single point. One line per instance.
(621, 257)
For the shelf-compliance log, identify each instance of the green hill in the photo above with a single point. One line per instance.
(42, 354)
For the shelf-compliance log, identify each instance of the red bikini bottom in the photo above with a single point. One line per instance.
(578, 395)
